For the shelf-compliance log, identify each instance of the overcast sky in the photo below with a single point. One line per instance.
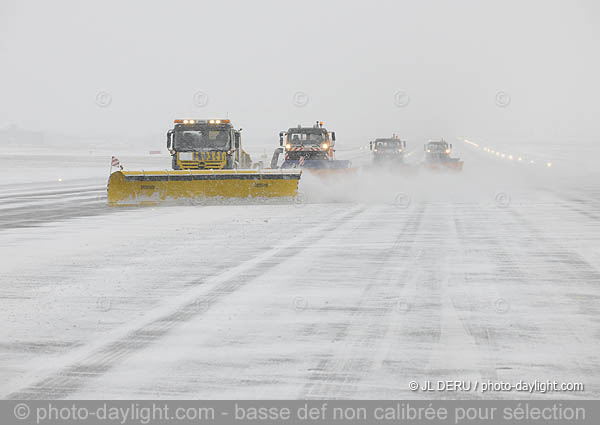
(520, 69)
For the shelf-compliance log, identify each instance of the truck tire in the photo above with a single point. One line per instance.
(174, 162)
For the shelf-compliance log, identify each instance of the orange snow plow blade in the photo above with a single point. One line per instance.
(450, 165)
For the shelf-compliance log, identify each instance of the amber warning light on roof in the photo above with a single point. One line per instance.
(201, 121)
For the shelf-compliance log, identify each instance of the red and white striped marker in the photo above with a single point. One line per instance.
(114, 162)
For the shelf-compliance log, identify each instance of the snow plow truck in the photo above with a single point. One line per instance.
(208, 162)
(437, 156)
(310, 148)
(388, 151)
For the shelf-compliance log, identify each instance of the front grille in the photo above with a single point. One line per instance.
(202, 165)
(212, 160)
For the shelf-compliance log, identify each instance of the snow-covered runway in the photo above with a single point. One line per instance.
(483, 276)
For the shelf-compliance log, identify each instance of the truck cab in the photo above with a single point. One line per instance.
(388, 149)
(308, 143)
(206, 144)
(437, 156)
(311, 148)
(437, 151)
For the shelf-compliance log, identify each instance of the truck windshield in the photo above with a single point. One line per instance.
(306, 138)
(388, 145)
(202, 139)
(437, 147)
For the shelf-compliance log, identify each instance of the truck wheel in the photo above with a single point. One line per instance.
(174, 163)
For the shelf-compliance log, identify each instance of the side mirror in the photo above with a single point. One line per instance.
(371, 146)
(404, 144)
(280, 139)
(237, 141)
(170, 140)
(333, 136)
(450, 145)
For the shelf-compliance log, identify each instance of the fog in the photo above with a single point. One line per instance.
(223, 279)
(506, 71)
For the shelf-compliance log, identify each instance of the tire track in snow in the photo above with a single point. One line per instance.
(567, 265)
(47, 194)
(41, 216)
(531, 274)
(307, 268)
(487, 268)
(431, 341)
(339, 373)
(36, 208)
(578, 201)
(186, 306)
(572, 296)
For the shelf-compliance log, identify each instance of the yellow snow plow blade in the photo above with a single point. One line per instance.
(132, 188)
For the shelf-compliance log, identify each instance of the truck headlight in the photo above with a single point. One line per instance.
(288, 147)
(324, 145)
(186, 156)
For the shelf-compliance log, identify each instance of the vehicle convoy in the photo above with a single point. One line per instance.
(312, 148)
(388, 151)
(437, 156)
(208, 162)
